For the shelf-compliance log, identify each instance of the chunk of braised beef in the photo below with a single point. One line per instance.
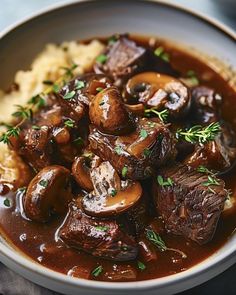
(101, 238)
(48, 137)
(206, 105)
(76, 95)
(219, 155)
(136, 154)
(189, 202)
(123, 58)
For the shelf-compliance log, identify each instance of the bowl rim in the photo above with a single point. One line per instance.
(18, 257)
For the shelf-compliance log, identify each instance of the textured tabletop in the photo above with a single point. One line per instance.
(14, 10)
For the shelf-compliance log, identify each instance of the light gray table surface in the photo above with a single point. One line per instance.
(13, 10)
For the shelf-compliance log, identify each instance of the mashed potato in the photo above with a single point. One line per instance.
(46, 66)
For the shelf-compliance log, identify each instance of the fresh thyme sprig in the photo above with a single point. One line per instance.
(199, 134)
(34, 103)
(157, 241)
(163, 115)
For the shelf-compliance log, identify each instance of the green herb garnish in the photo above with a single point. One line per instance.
(97, 271)
(163, 115)
(43, 182)
(146, 152)
(101, 103)
(22, 189)
(56, 88)
(211, 181)
(69, 95)
(162, 182)
(99, 89)
(113, 192)
(193, 77)
(23, 112)
(199, 134)
(143, 133)
(102, 228)
(79, 85)
(160, 52)
(69, 70)
(102, 58)
(141, 265)
(36, 127)
(69, 123)
(118, 149)
(156, 239)
(12, 131)
(124, 171)
(7, 202)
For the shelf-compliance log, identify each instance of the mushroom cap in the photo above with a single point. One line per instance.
(49, 191)
(108, 113)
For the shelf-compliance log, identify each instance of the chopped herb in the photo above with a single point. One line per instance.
(43, 182)
(79, 84)
(160, 52)
(78, 141)
(35, 127)
(56, 88)
(113, 192)
(141, 265)
(211, 181)
(69, 123)
(143, 133)
(124, 171)
(99, 89)
(6, 202)
(102, 58)
(163, 115)
(203, 169)
(97, 271)
(199, 134)
(146, 152)
(193, 77)
(22, 189)
(69, 95)
(156, 240)
(102, 228)
(47, 82)
(118, 149)
(101, 103)
(162, 182)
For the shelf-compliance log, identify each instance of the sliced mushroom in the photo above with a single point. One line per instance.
(108, 112)
(81, 170)
(111, 196)
(158, 90)
(48, 192)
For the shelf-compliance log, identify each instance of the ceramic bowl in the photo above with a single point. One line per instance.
(85, 19)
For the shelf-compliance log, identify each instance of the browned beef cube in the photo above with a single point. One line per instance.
(124, 58)
(101, 238)
(219, 154)
(189, 204)
(149, 146)
(75, 96)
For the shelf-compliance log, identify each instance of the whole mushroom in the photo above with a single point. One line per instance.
(48, 192)
(108, 113)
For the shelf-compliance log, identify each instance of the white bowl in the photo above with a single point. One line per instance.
(85, 19)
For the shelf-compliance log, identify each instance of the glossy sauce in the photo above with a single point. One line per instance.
(39, 241)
